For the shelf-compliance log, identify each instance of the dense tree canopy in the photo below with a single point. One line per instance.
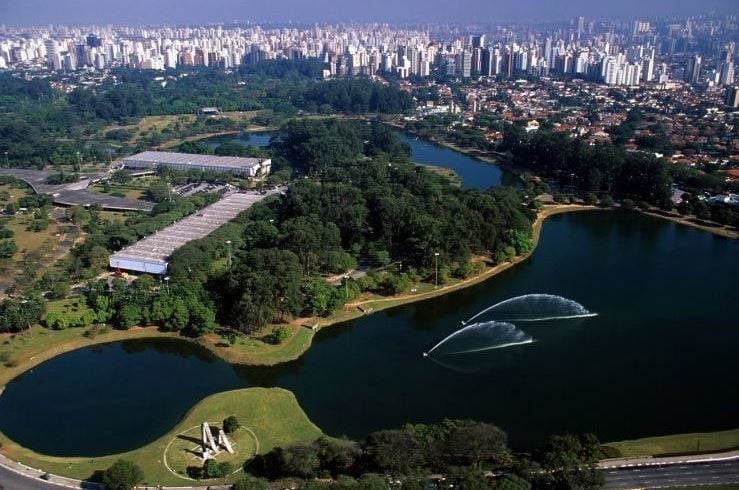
(364, 204)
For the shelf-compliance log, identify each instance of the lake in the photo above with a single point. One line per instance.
(475, 173)
(659, 358)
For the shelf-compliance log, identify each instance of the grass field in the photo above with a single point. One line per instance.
(273, 414)
(707, 442)
(157, 123)
(444, 172)
(251, 350)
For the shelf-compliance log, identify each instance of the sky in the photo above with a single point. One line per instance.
(135, 12)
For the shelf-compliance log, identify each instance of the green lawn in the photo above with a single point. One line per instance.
(273, 414)
(677, 444)
(253, 351)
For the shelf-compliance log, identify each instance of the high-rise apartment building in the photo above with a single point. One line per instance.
(732, 97)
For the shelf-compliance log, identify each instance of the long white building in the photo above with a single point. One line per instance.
(151, 254)
(247, 167)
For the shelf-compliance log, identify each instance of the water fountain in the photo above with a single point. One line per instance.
(498, 333)
(480, 337)
(535, 308)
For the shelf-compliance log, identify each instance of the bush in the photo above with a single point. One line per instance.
(214, 469)
(278, 335)
(123, 475)
(628, 204)
(606, 201)
(7, 248)
(231, 424)
(250, 483)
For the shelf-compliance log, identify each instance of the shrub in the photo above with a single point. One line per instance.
(231, 424)
(250, 483)
(606, 201)
(214, 469)
(278, 335)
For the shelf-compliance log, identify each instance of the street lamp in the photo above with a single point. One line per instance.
(79, 162)
(6, 160)
(436, 269)
(346, 286)
(228, 242)
(166, 284)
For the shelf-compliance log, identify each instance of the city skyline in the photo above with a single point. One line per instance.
(39, 12)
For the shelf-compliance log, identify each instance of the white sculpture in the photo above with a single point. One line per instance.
(209, 448)
(208, 439)
(223, 441)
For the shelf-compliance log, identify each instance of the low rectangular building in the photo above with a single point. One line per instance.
(151, 254)
(242, 166)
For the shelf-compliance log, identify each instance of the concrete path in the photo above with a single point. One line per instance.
(17, 476)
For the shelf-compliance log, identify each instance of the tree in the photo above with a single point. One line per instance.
(301, 460)
(394, 451)
(128, 316)
(250, 483)
(121, 177)
(512, 482)
(468, 478)
(372, 481)
(122, 475)
(701, 210)
(606, 201)
(278, 335)
(570, 462)
(475, 443)
(214, 469)
(231, 424)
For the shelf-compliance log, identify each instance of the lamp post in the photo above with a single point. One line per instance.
(228, 242)
(79, 162)
(436, 269)
(6, 160)
(572, 183)
(346, 286)
(166, 283)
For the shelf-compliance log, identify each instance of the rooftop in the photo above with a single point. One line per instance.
(158, 247)
(171, 158)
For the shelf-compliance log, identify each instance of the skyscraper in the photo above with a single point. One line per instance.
(580, 24)
(478, 41)
(692, 74)
(732, 97)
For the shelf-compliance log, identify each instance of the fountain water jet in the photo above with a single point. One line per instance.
(535, 308)
(496, 335)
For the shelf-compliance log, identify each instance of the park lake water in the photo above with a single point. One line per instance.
(659, 358)
(475, 173)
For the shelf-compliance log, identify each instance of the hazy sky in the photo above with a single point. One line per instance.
(26, 12)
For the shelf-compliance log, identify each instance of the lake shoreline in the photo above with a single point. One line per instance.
(303, 334)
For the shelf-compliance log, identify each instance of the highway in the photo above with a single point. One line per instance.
(675, 475)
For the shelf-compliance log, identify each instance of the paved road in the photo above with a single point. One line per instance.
(10, 480)
(75, 193)
(668, 476)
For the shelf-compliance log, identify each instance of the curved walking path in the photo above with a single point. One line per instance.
(12, 473)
